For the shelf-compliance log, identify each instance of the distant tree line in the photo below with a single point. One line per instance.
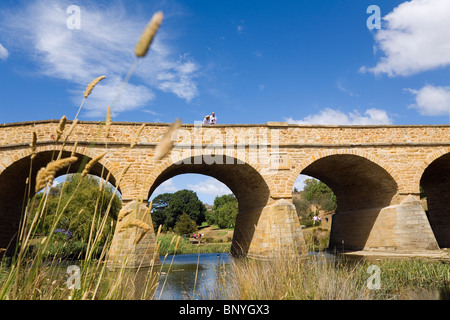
(182, 212)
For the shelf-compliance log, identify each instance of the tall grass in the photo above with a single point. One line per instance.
(318, 277)
(38, 271)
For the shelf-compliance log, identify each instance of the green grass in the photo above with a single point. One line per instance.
(185, 247)
(319, 278)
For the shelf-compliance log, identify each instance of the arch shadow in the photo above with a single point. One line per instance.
(362, 188)
(435, 181)
(246, 183)
(14, 190)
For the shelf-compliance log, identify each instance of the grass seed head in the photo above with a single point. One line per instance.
(92, 85)
(47, 175)
(148, 35)
(165, 145)
(92, 163)
(61, 126)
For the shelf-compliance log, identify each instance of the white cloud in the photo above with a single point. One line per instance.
(414, 37)
(210, 186)
(132, 97)
(103, 46)
(4, 53)
(167, 186)
(299, 184)
(335, 117)
(431, 100)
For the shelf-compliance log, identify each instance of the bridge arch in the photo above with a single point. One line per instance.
(435, 181)
(14, 190)
(363, 188)
(244, 180)
(355, 152)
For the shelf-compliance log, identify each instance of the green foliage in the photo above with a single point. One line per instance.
(87, 207)
(224, 211)
(315, 193)
(167, 208)
(185, 225)
(320, 194)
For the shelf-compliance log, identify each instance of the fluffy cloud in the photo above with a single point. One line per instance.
(4, 54)
(104, 45)
(210, 186)
(431, 100)
(167, 186)
(335, 117)
(414, 38)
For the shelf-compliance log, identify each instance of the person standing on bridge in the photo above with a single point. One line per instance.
(207, 120)
(213, 119)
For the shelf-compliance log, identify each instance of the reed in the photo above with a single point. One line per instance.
(33, 145)
(92, 163)
(108, 121)
(60, 129)
(92, 85)
(136, 137)
(148, 35)
(47, 175)
(26, 276)
(166, 143)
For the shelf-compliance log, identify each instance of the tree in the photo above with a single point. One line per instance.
(224, 211)
(185, 225)
(81, 198)
(318, 193)
(159, 214)
(167, 208)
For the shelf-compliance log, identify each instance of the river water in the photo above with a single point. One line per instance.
(191, 276)
(194, 276)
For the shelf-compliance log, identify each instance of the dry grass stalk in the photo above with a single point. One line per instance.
(61, 126)
(138, 133)
(136, 223)
(148, 210)
(33, 145)
(92, 85)
(103, 183)
(47, 174)
(91, 164)
(166, 143)
(74, 150)
(108, 121)
(143, 233)
(159, 230)
(148, 35)
(123, 213)
(74, 123)
(178, 242)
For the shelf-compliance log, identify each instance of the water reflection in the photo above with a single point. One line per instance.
(195, 276)
(191, 276)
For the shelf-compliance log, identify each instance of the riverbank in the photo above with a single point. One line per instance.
(213, 241)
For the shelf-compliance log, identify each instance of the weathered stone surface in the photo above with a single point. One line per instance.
(126, 251)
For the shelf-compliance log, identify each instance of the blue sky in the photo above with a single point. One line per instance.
(313, 62)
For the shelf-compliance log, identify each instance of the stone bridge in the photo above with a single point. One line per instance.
(375, 171)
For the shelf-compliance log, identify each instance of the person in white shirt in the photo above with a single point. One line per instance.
(213, 119)
(206, 120)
